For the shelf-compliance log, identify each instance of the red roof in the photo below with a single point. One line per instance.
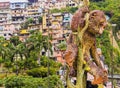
(4, 4)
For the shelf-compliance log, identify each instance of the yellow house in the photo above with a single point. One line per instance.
(56, 24)
(34, 27)
(23, 34)
(32, 10)
(44, 23)
(57, 16)
(57, 20)
(24, 31)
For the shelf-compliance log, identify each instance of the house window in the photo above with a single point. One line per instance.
(5, 34)
(17, 5)
(44, 31)
(12, 6)
(9, 34)
(43, 53)
(66, 19)
(73, 4)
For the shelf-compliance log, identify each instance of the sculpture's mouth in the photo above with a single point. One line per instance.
(102, 27)
(101, 30)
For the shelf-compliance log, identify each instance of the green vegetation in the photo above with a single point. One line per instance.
(40, 20)
(42, 71)
(30, 21)
(112, 10)
(25, 58)
(68, 9)
(30, 82)
(103, 42)
(62, 46)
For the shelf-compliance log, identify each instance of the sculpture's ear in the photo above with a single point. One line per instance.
(93, 15)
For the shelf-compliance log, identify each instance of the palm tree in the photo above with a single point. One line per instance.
(2, 52)
(5, 52)
(38, 42)
(2, 47)
(18, 50)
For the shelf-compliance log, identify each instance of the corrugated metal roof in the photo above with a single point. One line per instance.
(12, 1)
(4, 0)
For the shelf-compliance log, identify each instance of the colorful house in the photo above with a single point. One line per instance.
(23, 34)
(18, 11)
(67, 17)
(57, 20)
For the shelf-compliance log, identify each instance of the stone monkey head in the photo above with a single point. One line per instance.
(97, 22)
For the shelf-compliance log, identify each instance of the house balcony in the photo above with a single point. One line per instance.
(3, 16)
(17, 15)
(4, 12)
(45, 34)
(33, 15)
(54, 42)
(17, 22)
(55, 37)
(3, 20)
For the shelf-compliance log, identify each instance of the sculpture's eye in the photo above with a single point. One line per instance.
(101, 23)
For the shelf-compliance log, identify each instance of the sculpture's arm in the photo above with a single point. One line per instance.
(95, 55)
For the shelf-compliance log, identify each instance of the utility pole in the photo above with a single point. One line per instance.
(48, 64)
(112, 63)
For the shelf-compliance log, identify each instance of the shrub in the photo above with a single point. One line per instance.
(41, 72)
(30, 82)
(1, 60)
(38, 72)
(2, 75)
(1, 82)
(53, 81)
(24, 82)
(52, 63)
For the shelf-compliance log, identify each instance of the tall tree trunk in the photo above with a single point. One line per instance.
(81, 75)
(80, 70)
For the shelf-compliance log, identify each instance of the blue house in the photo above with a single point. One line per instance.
(67, 20)
(18, 4)
(67, 17)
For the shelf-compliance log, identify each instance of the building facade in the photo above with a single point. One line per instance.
(6, 28)
(33, 12)
(18, 11)
(55, 4)
(18, 4)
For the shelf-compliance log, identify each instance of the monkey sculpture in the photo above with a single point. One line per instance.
(97, 23)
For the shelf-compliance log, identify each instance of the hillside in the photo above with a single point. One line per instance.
(110, 45)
